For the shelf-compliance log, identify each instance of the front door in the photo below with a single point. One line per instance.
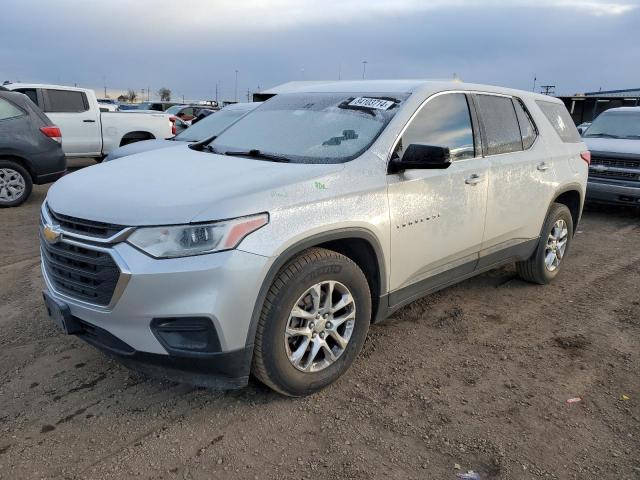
(437, 216)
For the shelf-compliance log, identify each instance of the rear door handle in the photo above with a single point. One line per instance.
(474, 179)
(543, 166)
(89, 121)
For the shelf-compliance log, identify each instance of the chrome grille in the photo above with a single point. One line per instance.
(622, 168)
(80, 226)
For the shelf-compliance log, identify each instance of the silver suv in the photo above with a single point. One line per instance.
(271, 249)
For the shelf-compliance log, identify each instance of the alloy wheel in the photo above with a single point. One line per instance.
(12, 185)
(556, 245)
(320, 326)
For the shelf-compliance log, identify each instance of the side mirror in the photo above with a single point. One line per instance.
(421, 157)
(580, 130)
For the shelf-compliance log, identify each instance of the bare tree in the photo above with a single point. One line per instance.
(132, 95)
(165, 94)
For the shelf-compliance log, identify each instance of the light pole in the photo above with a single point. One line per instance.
(364, 68)
(236, 86)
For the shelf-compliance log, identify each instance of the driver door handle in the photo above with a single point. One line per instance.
(474, 179)
(543, 166)
(89, 121)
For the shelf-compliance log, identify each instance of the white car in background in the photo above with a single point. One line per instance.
(86, 130)
(107, 105)
(207, 128)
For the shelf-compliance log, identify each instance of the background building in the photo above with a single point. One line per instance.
(584, 107)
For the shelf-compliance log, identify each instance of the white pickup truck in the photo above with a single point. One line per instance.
(86, 131)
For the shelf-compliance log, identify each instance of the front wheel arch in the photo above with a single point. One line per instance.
(329, 240)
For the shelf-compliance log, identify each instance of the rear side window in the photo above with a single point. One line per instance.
(527, 128)
(444, 121)
(562, 122)
(65, 101)
(31, 93)
(499, 123)
(9, 110)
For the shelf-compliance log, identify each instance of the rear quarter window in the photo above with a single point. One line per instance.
(9, 110)
(561, 121)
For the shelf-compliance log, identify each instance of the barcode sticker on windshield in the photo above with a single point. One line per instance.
(375, 103)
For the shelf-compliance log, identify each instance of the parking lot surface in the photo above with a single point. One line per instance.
(475, 377)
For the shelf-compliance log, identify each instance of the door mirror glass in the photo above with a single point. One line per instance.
(418, 156)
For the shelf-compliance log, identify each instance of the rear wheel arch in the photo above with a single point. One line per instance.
(572, 197)
(358, 244)
(137, 136)
(20, 161)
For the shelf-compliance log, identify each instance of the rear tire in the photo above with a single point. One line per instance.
(555, 239)
(293, 325)
(15, 184)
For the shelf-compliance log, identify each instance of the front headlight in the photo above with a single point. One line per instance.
(185, 240)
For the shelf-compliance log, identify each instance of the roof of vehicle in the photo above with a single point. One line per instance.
(622, 109)
(245, 106)
(400, 86)
(13, 86)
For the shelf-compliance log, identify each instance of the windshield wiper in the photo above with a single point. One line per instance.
(605, 135)
(254, 153)
(203, 144)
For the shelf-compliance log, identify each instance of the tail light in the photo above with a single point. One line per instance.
(172, 119)
(586, 156)
(53, 133)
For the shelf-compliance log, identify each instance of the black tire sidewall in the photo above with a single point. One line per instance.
(557, 212)
(28, 183)
(281, 372)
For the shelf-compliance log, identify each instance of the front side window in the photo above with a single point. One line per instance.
(499, 123)
(562, 122)
(443, 121)
(527, 128)
(311, 127)
(9, 110)
(66, 101)
(616, 124)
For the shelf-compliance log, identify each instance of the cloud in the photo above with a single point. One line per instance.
(190, 46)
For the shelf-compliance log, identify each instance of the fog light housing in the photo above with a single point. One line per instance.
(186, 336)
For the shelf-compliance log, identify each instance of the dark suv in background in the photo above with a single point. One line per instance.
(614, 141)
(30, 148)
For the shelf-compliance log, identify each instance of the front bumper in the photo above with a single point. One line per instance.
(221, 287)
(615, 193)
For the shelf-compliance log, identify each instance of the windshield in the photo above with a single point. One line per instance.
(175, 109)
(616, 125)
(312, 127)
(211, 125)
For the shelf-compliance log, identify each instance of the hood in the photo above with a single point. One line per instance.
(180, 185)
(139, 147)
(612, 145)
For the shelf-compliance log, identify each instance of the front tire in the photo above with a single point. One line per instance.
(15, 184)
(545, 263)
(313, 323)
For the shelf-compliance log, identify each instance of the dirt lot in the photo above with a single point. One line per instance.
(474, 377)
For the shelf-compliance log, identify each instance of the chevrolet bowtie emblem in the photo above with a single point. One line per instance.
(51, 233)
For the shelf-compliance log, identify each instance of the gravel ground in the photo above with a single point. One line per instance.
(475, 377)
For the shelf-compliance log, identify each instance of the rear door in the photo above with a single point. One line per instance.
(78, 121)
(521, 176)
(437, 216)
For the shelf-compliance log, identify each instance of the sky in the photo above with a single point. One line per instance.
(190, 46)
